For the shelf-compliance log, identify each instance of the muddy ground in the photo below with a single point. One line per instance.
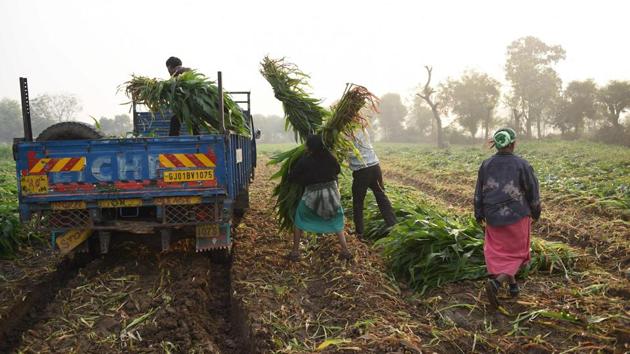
(601, 233)
(324, 303)
(137, 299)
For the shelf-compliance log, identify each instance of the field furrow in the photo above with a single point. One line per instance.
(603, 232)
(137, 299)
(321, 302)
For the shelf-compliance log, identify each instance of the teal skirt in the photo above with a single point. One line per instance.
(307, 220)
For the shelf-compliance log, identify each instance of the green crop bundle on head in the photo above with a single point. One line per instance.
(346, 118)
(305, 116)
(192, 97)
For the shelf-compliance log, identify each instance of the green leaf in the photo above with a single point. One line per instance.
(332, 341)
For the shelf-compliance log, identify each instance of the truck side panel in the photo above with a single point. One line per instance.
(109, 169)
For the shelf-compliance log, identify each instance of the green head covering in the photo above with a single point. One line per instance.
(503, 137)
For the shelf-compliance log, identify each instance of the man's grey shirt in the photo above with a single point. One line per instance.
(368, 156)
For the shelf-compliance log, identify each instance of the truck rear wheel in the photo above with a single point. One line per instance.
(241, 204)
(69, 131)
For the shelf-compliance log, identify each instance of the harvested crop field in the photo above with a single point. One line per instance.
(323, 303)
(136, 299)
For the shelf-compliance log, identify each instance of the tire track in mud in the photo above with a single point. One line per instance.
(139, 300)
(21, 313)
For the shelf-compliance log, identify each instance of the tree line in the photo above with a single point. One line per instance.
(468, 108)
(535, 104)
(49, 109)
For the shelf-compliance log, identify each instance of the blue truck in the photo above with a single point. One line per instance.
(82, 189)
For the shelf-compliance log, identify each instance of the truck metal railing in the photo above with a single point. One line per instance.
(26, 110)
(246, 101)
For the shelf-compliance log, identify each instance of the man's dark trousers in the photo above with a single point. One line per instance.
(372, 178)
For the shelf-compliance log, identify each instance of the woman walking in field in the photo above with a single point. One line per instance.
(320, 209)
(506, 199)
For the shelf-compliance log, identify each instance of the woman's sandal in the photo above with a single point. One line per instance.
(492, 289)
(292, 256)
(514, 290)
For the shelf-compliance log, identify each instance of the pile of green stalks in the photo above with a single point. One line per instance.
(191, 97)
(429, 248)
(305, 115)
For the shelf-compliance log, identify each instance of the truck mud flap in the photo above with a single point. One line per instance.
(212, 236)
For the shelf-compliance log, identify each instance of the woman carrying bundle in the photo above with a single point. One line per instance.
(320, 208)
(506, 199)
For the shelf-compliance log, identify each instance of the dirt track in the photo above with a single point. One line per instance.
(296, 307)
(139, 300)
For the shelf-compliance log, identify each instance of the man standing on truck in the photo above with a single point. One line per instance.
(366, 173)
(175, 68)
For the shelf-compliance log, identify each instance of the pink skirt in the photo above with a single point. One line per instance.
(506, 247)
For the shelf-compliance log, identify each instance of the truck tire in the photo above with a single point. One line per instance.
(69, 131)
(241, 204)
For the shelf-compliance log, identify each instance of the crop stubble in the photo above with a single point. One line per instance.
(138, 300)
(321, 302)
(579, 220)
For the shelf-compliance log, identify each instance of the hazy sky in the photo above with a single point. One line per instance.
(90, 47)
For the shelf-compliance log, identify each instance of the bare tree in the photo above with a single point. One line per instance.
(57, 108)
(427, 95)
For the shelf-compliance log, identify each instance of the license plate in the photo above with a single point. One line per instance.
(71, 239)
(177, 200)
(77, 204)
(207, 230)
(189, 175)
(119, 203)
(34, 184)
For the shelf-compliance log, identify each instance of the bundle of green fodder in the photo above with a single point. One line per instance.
(305, 115)
(429, 248)
(190, 96)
